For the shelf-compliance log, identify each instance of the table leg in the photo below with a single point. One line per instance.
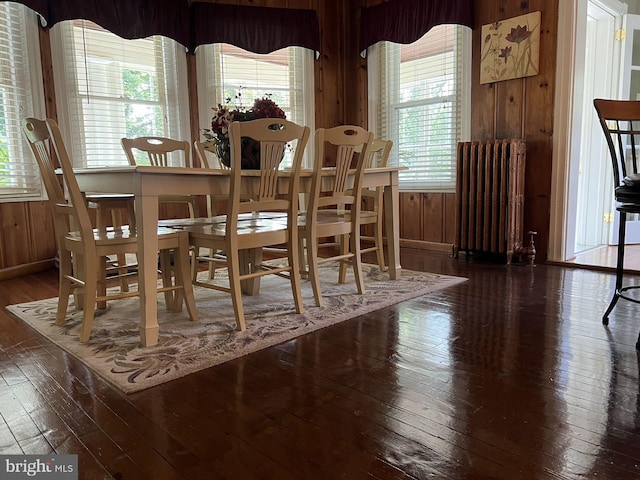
(392, 225)
(147, 231)
(250, 286)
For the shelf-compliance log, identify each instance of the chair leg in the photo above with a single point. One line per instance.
(344, 250)
(90, 291)
(357, 259)
(379, 242)
(101, 224)
(183, 279)
(78, 269)
(294, 275)
(619, 267)
(102, 282)
(303, 254)
(312, 268)
(195, 253)
(116, 220)
(233, 268)
(212, 264)
(65, 271)
(165, 267)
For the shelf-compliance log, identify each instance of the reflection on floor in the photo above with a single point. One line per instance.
(605, 257)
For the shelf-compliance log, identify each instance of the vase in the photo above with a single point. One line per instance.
(250, 154)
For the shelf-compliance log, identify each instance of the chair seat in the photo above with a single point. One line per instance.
(202, 221)
(254, 226)
(333, 216)
(115, 235)
(628, 196)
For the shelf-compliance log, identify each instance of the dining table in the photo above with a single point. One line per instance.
(147, 183)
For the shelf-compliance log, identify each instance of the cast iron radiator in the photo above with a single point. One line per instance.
(490, 197)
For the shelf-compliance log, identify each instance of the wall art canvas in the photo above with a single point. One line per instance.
(510, 48)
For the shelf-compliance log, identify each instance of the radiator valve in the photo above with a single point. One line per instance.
(528, 253)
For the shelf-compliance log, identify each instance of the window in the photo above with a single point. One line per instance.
(419, 98)
(108, 88)
(19, 98)
(228, 72)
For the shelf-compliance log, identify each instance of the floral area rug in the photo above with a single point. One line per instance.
(115, 353)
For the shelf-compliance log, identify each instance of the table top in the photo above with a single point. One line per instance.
(203, 171)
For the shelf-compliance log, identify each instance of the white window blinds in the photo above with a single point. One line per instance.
(108, 88)
(419, 95)
(228, 73)
(19, 98)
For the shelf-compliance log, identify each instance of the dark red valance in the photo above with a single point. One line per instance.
(405, 21)
(128, 19)
(256, 29)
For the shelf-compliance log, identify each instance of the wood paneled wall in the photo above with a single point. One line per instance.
(521, 108)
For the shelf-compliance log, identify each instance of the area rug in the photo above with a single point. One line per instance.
(115, 353)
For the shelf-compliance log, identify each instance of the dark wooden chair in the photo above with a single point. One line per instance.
(620, 121)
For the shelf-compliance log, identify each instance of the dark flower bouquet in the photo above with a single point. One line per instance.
(223, 116)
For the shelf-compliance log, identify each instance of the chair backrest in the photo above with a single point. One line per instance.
(47, 145)
(347, 138)
(620, 121)
(275, 136)
(159, 150)
(378, 153)
(204, 150)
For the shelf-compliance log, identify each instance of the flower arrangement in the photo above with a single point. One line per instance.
(262, 107)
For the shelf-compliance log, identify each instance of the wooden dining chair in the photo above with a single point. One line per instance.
(335, 208)
(372, 199)
(162, 152)
(115, 210)
(208, 157)
(249, 226)
(206, 152)
(90, 247)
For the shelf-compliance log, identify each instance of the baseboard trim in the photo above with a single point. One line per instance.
(425, 245)
(26, 269)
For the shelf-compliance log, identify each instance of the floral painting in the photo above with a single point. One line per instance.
(510, 48)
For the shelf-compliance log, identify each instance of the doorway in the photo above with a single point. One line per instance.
(581, 195)
(601, 79)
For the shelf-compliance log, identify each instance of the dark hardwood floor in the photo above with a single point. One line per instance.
(510, 375)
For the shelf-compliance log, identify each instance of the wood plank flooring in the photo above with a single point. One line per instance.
(510, 375)
(605, 257)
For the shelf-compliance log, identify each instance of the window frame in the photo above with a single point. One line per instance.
(208, 87)
(173, 96)
(26, 167)
(383, 117)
